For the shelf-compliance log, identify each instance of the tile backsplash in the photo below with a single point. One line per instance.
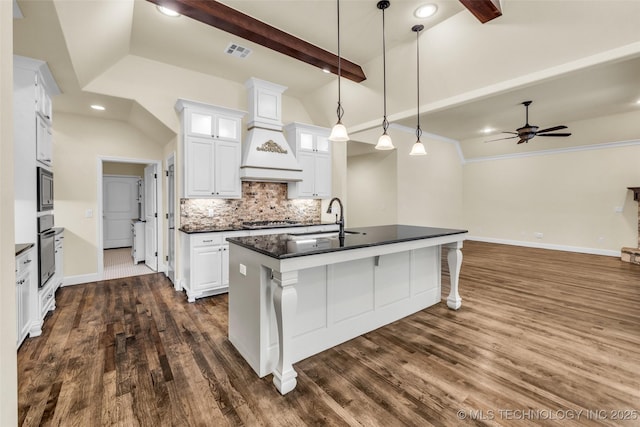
(261, 201)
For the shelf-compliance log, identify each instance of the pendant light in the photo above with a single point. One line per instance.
(384, 142)
(339, 132)
(418, 147)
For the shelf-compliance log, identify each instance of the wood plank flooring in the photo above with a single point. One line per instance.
(541, 335)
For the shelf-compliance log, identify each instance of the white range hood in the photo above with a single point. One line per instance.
(266, 155)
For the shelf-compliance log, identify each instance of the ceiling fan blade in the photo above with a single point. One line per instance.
(500, 139)
(523, 140)
(506, 131)
(555, 134)
(552, 129)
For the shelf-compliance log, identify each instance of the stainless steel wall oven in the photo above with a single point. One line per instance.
(46, 249)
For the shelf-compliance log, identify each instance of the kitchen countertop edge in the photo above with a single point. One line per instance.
(445, 232)
(22, 247)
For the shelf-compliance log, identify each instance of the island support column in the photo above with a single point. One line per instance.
(454, 259)
(285, 299)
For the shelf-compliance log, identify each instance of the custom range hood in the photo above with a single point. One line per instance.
(266, 155)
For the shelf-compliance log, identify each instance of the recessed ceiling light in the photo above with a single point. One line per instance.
(487, 130)
(426, 11)
(168, 12)
(98, 107)
(326, 70)
(638, 102)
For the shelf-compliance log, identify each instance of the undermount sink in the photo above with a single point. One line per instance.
(320, 235)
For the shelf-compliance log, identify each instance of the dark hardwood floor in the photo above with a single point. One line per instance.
(541, 336)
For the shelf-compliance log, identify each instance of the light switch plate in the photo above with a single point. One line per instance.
(243, 269)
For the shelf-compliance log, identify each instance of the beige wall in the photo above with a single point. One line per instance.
(8, 367)
(568, 197)
(128, 169)
(372, 189)
(392, 187)
(78, 143)
(429, 187)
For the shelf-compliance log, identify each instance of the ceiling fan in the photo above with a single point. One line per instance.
(527, 132)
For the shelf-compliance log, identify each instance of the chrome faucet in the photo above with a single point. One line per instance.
(340, 221)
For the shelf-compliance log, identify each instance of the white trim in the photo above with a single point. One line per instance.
(602, 146)
(578, 249)
(159, 230)
(80, 279)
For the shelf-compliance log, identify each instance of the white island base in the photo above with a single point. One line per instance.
(284, 310)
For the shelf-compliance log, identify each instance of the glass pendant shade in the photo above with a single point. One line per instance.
(384, 142)
(418, 149)
(339, 133)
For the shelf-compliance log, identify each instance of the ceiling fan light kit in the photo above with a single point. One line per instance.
(384, 142)
(528, 132)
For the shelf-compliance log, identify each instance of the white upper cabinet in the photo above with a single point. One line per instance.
(213, 125)
(211, 139)
(313, 152)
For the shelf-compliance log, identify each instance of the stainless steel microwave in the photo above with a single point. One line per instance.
(45, 190)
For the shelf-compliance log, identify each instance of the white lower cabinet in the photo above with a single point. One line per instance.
(25, 278)
(137, 247)
(59, 247)
(205, 258)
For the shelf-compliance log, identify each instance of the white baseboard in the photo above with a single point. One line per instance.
(578, 249)
(79, 279)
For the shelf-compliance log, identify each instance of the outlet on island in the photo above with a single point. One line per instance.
(210, 213)
(538, 235)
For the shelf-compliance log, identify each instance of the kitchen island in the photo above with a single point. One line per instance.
(294, 295)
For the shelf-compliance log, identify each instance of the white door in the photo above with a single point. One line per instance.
(120, 206)
(171, 261)
(150, 217)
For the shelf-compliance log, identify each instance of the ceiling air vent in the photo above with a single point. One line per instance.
(237, 50)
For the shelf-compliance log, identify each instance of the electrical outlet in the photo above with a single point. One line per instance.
(88, 213)
(617, 209)
(538, 235)
(210, 213)
(243, 269)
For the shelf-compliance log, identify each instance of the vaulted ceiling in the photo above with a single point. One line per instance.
(576, 59)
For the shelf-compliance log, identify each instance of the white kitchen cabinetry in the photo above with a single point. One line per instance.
(212, 153)
(59, 256)
(213, 168)
(137, 248)
(313, 151)
(201, 264)
(25, 279)
(44, 141)
(205, 258)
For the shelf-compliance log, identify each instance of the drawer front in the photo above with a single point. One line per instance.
(206, 239)
(24, 262)
(45, 300)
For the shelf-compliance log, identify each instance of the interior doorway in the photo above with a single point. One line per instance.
(171, 207)
(129, 230)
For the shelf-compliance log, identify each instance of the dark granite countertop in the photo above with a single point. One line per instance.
(240, 227)
(21, 247)
(283, 246)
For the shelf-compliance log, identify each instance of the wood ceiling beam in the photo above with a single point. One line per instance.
(232, 21)
(484, 10)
